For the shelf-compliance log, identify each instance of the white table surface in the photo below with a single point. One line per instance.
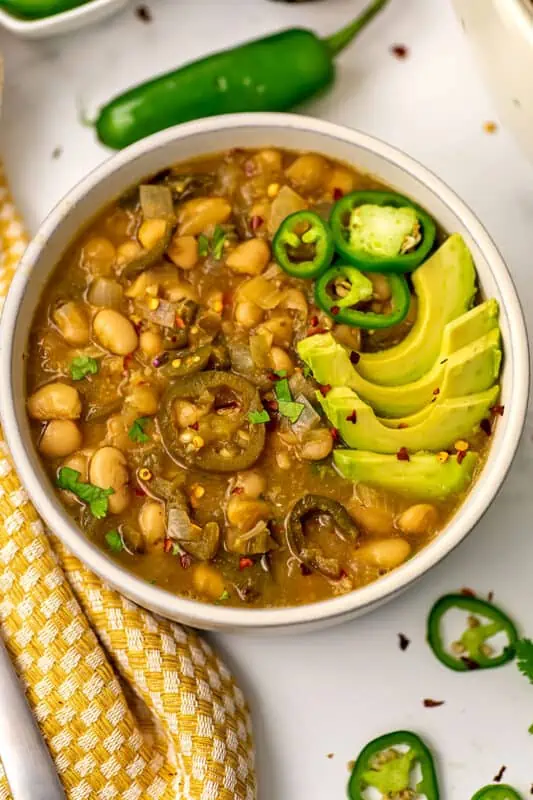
(331, 692)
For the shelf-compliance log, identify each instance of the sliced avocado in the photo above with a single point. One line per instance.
(448, 421)
(470, 370)
(445, 288)
(423, 477)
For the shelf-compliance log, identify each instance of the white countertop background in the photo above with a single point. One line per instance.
(331, 692)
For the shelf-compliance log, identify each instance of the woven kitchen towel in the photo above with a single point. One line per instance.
(132, 706)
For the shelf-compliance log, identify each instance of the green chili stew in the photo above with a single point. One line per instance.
(219, 394)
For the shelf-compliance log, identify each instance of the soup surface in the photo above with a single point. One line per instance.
(188, 395)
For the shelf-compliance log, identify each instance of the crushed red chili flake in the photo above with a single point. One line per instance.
(305, 570)
(313, 322)
(436, 391)
(355, 357)
(256, 222)
(461, 455)
(245, 562)
(185, 561)
(402, 454)
(352, 417)
(485, 426)
(498, 410)
(400, 51)
(466, 592)
(126, 361)
(324, 389)
(237, 490)
(139, 492)
(195, 426)
(314, 331)
(143, 13)
(403, 641)
(335, 310)
(429, 703)
(337, 193)
(272, 405)
(499, 775)
(180, 323)
(334, 434)
(402, 426)
(342, 574)
(469, 663)
(167, 545)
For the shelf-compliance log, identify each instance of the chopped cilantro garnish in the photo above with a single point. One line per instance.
(224, 595)
(290, 409)
(136, 432)
(217, 243)
(281, 373)
(257, 417)
(530, 729)
(82, 366)
(203, 245)
(283, 391)
(176, 549)
(524, 657)
(114, 541)
(94, 496)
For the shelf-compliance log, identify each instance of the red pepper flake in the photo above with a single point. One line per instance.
(403, 641)
(337, 193)
(355, 357)
(352, 417)
(185, 561)
(466, 592)
(313, 322)
(334, 434)
(402, 454)
(167, 545)
(342, 574)
(461, 456)
(305, 570)
(429, 703)
(237, 490)
(244, 563)
(139, 492)
(399, 51)
(143, 13)
(256, 222)
(499, 775)
(498, 410)
(195, 426)
(335, 310)
(180, 323)
(469, 663)
(126, 361)
(436, 391)
(485, 426)
(272, 405)
(314, 331)
(402, 426)
(324, 389)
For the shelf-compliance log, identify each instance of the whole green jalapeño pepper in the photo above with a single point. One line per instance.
(39, 9)
(303, 245)
(471, 651)
(341, 288)
(271, 74)
(381, 231)
(497, 791)
(381, 765)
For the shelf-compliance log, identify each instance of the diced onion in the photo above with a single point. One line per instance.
(106, 293)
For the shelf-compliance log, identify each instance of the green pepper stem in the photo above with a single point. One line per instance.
(341, 39)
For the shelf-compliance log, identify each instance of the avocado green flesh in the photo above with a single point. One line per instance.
(467, 371)
(423, 477)
(471, 370)
(445, 288)
(450, 420)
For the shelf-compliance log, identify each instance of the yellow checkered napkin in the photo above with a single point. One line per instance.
(132, 706)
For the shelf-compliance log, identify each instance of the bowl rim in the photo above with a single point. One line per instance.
(212, 616)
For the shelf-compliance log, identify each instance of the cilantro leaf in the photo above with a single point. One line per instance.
(282, 391)
(524, 657)
(203, 245)
(82, 366)
(281, 373)
(114, 541)
(257, 417)
(224, 596)
(290, 409)
(94, 496)
(217, 243)
(136, 432)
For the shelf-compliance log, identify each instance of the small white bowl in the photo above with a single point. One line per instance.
(152, 155)
(66, 22)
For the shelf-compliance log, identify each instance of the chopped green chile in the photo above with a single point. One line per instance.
(303, 245)
(383, 766)
(312, 557)
(354, 246)
(472, 650)
(217, 450)
(187, 362)
(352, 287)
(497, 791)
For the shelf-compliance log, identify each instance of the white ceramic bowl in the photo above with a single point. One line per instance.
(501, 35)
(105, 184)
(68, 21)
